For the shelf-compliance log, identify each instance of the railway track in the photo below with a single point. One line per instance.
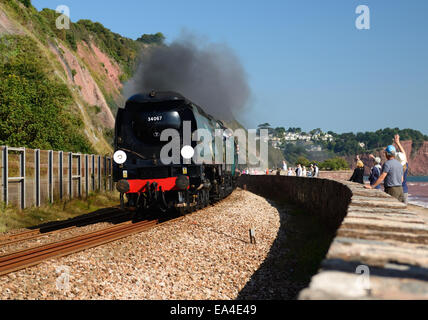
(56, 227)
(29, 257)
(22, 259)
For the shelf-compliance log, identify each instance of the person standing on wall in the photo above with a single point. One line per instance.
(392, 174)
(375, 171)
(284, 166)
(299, 170)
(316, 171)
(358, 175)
(402, 157)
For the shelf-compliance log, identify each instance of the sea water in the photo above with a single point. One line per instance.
(418, 190)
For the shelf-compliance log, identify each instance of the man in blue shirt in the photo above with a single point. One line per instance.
(392, 175)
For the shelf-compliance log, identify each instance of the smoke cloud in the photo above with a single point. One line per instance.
(210, 75)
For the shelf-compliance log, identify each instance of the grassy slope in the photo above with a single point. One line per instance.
(39, 28)
(10, 218)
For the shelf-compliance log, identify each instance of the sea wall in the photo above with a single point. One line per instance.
(379, 248)
(329, 199)
(342, 175)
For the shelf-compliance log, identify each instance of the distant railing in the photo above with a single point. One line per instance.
(36, 177)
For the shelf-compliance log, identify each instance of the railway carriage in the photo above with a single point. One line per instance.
(142, 177)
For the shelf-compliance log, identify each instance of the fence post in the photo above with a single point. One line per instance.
(60, 173)
(5, 176)
(105, 173)
(111, 173)
(22, 162)
(93, 173)
(86, 175)
(70, 175)
(37, 176)
(79, 177)
(50, 175)
(99, 173)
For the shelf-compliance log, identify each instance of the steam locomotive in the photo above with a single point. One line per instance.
(139, 169)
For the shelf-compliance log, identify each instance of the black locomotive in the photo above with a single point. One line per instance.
(139, 169)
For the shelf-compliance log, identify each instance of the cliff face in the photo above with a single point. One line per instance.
(92, 75)
(418, 162)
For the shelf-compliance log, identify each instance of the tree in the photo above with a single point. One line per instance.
(26, 3)
(303, 161)
(316, 131)
(157, 38)
(265, 125)
(279, 132)
(334, 164)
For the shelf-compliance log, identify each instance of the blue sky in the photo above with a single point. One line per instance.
(307, 63)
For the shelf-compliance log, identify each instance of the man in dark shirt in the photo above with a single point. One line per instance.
(392, 174)
(376, 171)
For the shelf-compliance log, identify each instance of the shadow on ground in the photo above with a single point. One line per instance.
(109, 215)
(112, 215)
(295, 256)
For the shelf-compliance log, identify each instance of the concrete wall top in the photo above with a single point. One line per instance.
(380, 248)
(380, 252)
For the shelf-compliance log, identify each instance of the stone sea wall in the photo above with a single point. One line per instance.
(380, 247)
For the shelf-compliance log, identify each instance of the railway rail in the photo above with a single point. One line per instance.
(29, 257)
(52, 228)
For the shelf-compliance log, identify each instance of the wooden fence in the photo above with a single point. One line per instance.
(36, 177)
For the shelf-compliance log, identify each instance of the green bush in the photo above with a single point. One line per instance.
(334, 164)
(157, 38)
(26, 3)
(32, 103)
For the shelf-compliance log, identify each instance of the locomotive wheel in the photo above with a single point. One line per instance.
(182, 211)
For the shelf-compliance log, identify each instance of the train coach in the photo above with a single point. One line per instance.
(143, 179)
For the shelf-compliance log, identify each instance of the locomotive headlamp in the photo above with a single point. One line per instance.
(123, 186)
(120, 157)
(182, 182)
(187, 152)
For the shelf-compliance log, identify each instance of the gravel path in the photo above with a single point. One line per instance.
(205, 256)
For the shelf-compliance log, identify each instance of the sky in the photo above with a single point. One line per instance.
(308, 65)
